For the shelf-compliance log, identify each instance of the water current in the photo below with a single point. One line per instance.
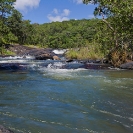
(48, 99)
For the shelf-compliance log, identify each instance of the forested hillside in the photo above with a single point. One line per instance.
(66, 34)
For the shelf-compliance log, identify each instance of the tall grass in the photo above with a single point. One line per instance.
(92, 51)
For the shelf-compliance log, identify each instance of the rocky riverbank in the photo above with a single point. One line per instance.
(25, 52)
(38, 53)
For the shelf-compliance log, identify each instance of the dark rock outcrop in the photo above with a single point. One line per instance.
(4, 130)
(128, 65)
(38, 53)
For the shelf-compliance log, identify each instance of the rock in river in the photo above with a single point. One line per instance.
(128, 65)
(43, 57)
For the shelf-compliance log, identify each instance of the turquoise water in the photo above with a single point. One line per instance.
(67, 101)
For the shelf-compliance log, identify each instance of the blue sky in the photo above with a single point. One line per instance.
(45, 11)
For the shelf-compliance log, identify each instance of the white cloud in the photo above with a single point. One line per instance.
(24, 5)
(55, 11)
(57, 16)
(78, 1)
(66, 12)
(81, 2)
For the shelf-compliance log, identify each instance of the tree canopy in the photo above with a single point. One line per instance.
(115, 32)
(117, 15)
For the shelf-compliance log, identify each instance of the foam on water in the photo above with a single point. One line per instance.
(13, 61)
(60, 73)
(17, 57)
(62, 69)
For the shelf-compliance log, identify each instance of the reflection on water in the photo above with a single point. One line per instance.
(67, 101)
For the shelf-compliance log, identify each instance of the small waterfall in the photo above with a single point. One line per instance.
(57, 51)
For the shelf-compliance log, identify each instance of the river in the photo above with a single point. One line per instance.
(52, 100)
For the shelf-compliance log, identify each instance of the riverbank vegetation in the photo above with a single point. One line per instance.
(116, 31)
(111, 35)
(91, 51)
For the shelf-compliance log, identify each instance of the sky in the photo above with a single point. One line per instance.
(46, 11)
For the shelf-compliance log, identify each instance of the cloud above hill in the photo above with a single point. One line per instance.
(56, 15)
(24, 5)
(78, 1)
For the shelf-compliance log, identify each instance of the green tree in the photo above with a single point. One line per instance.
(27, 31)
(116, 28)
(14, 22)
(117, 15)
(6, 8)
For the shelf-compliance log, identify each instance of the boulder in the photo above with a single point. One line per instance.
(128, 65)
(4, 130)
(55, 57)
(43, 57)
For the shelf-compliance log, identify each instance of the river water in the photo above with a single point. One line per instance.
(52, 100)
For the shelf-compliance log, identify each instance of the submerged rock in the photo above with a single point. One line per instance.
(97, 66)
(69, 60)
(12, 66)
(128, 65)
(4, 130)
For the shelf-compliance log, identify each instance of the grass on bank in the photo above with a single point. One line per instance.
(89, 52)
(35, 46)
(32, 46)
(6, 52)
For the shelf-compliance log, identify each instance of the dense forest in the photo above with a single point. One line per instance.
(112, 34)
